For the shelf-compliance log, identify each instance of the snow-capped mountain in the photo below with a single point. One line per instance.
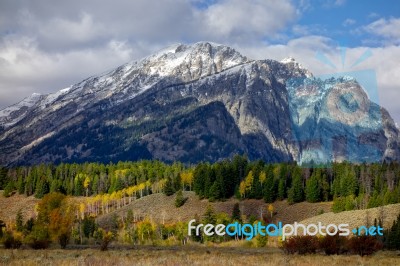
(197, 102)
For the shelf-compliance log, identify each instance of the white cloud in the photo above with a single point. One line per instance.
(304, 5)
(332, 3)
(243, 20)
(300, 30)
(386, 28)
(65, 32)
(303, 49)
(348, 22)
(26, 69)
(373, 15)
(339, 2)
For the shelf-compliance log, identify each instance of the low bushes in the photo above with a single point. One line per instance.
(11, 241)
(301, 245)
(335, 244)
(330, 245)
(364, 245)
(180, 199)
(39, 238)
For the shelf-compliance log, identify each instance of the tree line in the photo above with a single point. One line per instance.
(87, 179)
(350, 186)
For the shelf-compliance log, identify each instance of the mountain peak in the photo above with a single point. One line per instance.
(289, 59)
(195, 47)
(292, 63)
(192, 61)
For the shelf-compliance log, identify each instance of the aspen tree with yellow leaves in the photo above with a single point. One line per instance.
(262, 177)
(271, 209)
(187, 179)
(86, 184)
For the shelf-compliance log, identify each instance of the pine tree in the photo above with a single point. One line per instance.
(209, 215)
(78, 185)
(95, 185)
(195, 237)
(179, 199)
(239, 168)
(350, 184)
(19, 221)
(296, 192)
(8, 190)
(177, 182)
(339, 204)
(236, 216)
(215, 191)
(325, 188)
(199, 179)
(313, 191)
(88, 226)
(42, 188)
(169, 188)
(269, 190)
(3, 177)
(257, 188)
(281, 189)
(393, 235)
(21, 185)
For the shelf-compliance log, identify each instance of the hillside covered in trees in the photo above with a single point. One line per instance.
(79, 201)
(350, 186)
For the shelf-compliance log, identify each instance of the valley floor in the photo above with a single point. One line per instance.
(186, 256)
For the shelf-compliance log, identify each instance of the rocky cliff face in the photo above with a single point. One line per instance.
(199, 102)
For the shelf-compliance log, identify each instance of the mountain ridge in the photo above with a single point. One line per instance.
(149, 108)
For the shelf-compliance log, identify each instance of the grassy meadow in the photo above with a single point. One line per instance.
(186, 256)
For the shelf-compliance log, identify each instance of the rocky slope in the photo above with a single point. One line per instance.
(200, 102)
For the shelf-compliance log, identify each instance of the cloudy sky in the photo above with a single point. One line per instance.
(47, 45)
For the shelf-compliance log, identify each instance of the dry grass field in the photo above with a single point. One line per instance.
(10, 206)
(186, 256)
(162, 208)
(359, 217)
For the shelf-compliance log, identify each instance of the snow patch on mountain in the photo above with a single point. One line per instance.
(14, 113)
(296, 65)
(27, 102)
(50, 98)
